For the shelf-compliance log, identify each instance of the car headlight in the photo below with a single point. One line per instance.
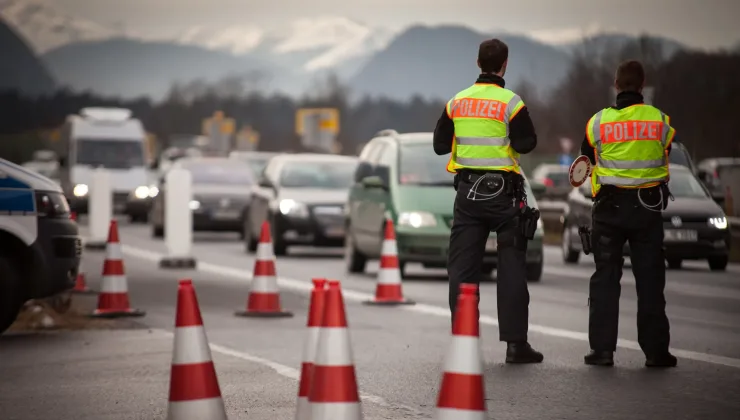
(141, 192)
(718, 222)
(153, 191)
(194, 204)
(293, 208)
(417, 219)
(80, 190)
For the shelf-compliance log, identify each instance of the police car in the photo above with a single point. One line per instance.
(40, 246)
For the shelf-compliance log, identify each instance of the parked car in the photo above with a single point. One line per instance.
(302, 196)
(708, 172)
(680, 156)
(256, 160)
(400, 177)
(695, 226)
(555, 179)
(220, 190)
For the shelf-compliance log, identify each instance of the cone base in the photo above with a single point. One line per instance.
(177, 262)
(259, 314)
(95, 245)
(85, 291)
(126, 313)
(389, 302)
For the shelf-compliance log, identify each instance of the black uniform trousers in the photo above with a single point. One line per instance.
(619, 218)
(473, 222)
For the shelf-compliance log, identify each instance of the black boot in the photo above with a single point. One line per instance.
(599, 358)
(522, 352)
(662, 360)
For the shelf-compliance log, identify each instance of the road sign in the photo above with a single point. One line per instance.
(247, 139)
(219, 130)
(318, 128)
(565, 160)
(648, 93)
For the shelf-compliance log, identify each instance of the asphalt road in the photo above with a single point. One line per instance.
(398, 351)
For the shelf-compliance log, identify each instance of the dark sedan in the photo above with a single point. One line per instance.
(695, 226)
(303, 197)
(220, 190)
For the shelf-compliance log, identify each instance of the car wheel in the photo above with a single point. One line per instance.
(250, 244)
(534, 272)
(10, 300)
(674, 263)
(158, 231)
(353, 259)
(278, 244)
(718, 263)
(570, 256)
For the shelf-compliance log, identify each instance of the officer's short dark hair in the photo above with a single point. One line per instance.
(491, 55)
(630, 76)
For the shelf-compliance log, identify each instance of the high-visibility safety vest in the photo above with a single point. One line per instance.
(481, 114)
(630, 145)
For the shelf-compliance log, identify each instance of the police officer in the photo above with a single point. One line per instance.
(628, 144)
(485, 128)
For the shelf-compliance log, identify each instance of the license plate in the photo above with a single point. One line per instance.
(334, 232)
(491, 245)
(681, 235)
(226, 214)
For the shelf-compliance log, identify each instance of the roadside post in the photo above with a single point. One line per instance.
(178, 220)
(100, 209)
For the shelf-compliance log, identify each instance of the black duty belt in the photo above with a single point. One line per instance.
(468, 175)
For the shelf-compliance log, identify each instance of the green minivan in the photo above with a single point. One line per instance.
(400, 177)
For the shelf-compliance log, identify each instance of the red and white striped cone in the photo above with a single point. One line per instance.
(313, 324)
(194, 390)
(462, 395)
(264, 296)
(388, 290)
(80, 283)
(334, 393)
(113, 301)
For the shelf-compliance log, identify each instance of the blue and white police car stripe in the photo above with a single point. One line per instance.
(16, 197)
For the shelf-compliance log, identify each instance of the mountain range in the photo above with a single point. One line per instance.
(433, 62)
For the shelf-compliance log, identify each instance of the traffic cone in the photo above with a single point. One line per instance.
(81, 285)
(315, 314)
(264, 296)
(113, 300)
(388, 290)
(194, 390)
(333, 393)
(462, 395)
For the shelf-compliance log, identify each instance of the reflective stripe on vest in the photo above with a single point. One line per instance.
(642, 134)
(477, 111)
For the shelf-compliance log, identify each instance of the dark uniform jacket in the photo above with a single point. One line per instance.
(521, 130)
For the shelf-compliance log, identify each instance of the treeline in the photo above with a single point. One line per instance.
(700, 91)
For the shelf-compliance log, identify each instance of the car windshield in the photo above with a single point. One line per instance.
(678, 156)
(222, 173)
(257, 163)
(318, 174)
(421, 166)
(684, 184)
(112, 154)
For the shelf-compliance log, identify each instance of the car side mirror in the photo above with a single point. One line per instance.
(364, 170)
(154, 165)
(538, 189)
(373, 182)
(265, 183)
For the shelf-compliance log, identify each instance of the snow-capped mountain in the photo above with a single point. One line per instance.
(46, 28)
(332, 40)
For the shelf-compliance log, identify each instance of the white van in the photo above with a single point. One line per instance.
(109, 138)
(40, 246)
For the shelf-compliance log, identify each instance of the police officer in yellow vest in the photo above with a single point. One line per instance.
(485, 128)
(628, 144)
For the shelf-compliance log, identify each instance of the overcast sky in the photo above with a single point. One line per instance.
(698, 23)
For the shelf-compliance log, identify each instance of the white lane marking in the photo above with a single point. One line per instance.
(306, 286)
(286, 371)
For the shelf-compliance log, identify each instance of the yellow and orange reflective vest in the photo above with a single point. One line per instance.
(481, 115)
(630, 147)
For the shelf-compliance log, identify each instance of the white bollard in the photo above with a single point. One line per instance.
(178, 220)
(100, 209)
